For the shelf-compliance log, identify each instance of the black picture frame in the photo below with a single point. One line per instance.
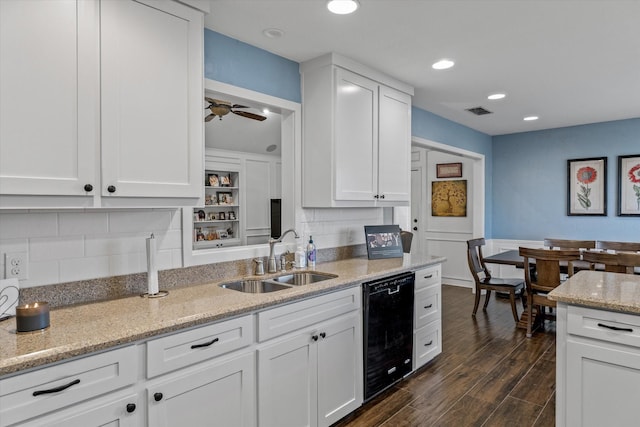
(383, 241)
(587, 187)
(629, 185)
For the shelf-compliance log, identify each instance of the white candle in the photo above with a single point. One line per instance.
(152, 269)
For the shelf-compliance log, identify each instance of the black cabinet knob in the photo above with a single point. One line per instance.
(131, 407)
(111, 189)
(376, 196)
(415, 228)
(382, 196)
(88, 187)
(323, 335)
(157, 397)
(314, 337)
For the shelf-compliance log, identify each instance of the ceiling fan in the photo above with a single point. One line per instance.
(222, 108)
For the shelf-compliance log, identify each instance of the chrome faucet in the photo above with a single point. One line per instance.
(271, 264)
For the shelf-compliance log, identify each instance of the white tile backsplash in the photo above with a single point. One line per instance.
(74, 245)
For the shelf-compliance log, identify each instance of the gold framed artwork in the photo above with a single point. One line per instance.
(449, 198)
(587, 186)
(629, 185)
(449, 170)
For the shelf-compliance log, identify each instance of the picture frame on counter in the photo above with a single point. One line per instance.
(448, 170)
(629, 185)
(587, 186)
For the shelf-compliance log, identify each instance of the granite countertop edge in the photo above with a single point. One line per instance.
(94, 327)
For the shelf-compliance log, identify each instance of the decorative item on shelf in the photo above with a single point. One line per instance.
(587, 186)
(32, 317)
(224, 198)
(213, 180)
(199, 235)
(629, 185)
(201, 215)
(222, 234)
(230, 232)
(231, 215)
(212, 216)
(210, 199)
(225, 180)
(211, 234)
(222, 216)
(449, 170)
(449, 198)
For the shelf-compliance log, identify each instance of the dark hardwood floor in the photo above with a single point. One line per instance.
(488, 374)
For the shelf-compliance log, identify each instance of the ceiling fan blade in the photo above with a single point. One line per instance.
(239, 106)
(249, 115)
(209, 117)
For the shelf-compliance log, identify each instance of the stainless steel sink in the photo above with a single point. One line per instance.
(255, 286)
(303, 278)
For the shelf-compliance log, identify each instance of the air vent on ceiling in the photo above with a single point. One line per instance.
(479, 111)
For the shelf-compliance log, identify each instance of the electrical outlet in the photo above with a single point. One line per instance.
(16, 264)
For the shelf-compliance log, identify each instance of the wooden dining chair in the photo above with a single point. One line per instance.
(544, 278)
(619, 262)
(618, 246)
(569, 244)
(483, 280)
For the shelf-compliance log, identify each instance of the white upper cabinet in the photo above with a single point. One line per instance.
(103, 106)
(356, 135)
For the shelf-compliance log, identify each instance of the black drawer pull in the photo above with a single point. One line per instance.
(314, 337)
(429, 276)
(157, 397)
(323, 334)
(615, 328)
(429, 343)
(428, 306)
(56, 389)
(207, 344)
(131, 407)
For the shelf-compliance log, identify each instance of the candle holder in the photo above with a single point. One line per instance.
(32, 317)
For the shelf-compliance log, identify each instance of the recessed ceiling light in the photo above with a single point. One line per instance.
(273, 33)
(530, 118)
(495, 96)
(342, 7)
(443, 64)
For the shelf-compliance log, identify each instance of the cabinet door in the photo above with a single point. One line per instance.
(602, 384)
(218, 395)
(287, 382)
(356, 137)
(339, 368)
(49, 105)
(152, 99)
(394, 146)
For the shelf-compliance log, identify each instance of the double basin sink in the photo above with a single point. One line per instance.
(279, 283)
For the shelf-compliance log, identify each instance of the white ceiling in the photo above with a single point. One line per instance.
(569, 62)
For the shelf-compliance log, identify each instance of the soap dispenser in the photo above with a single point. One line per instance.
(311, 253)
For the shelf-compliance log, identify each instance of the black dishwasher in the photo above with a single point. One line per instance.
(388, 332)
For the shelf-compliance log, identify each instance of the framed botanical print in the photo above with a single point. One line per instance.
(629, 185)
(587, 186)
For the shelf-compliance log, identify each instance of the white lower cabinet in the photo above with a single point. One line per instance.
(427, 312)
(51, 390)
(312, 376)
(598, 368)
(214, 394)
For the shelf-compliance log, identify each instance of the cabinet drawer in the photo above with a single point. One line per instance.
(608, 326)
(186, 348)
(287, 318)
(427, 306)
(427, 344)
(66, 384)
(428, 276)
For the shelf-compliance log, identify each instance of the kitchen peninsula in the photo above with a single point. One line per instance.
(136, 344)
(598, 349)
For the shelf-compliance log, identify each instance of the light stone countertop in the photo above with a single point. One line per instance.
(597, 289)
(82, 329)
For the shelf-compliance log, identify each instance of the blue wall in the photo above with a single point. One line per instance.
(234, 62)
(530, 182)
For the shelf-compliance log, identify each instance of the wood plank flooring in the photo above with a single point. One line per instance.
(489, 374)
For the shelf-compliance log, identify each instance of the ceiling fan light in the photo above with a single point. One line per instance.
(530, 118)
(342, 7)
(495, 96)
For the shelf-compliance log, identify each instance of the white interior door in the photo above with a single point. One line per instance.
(417, 200)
